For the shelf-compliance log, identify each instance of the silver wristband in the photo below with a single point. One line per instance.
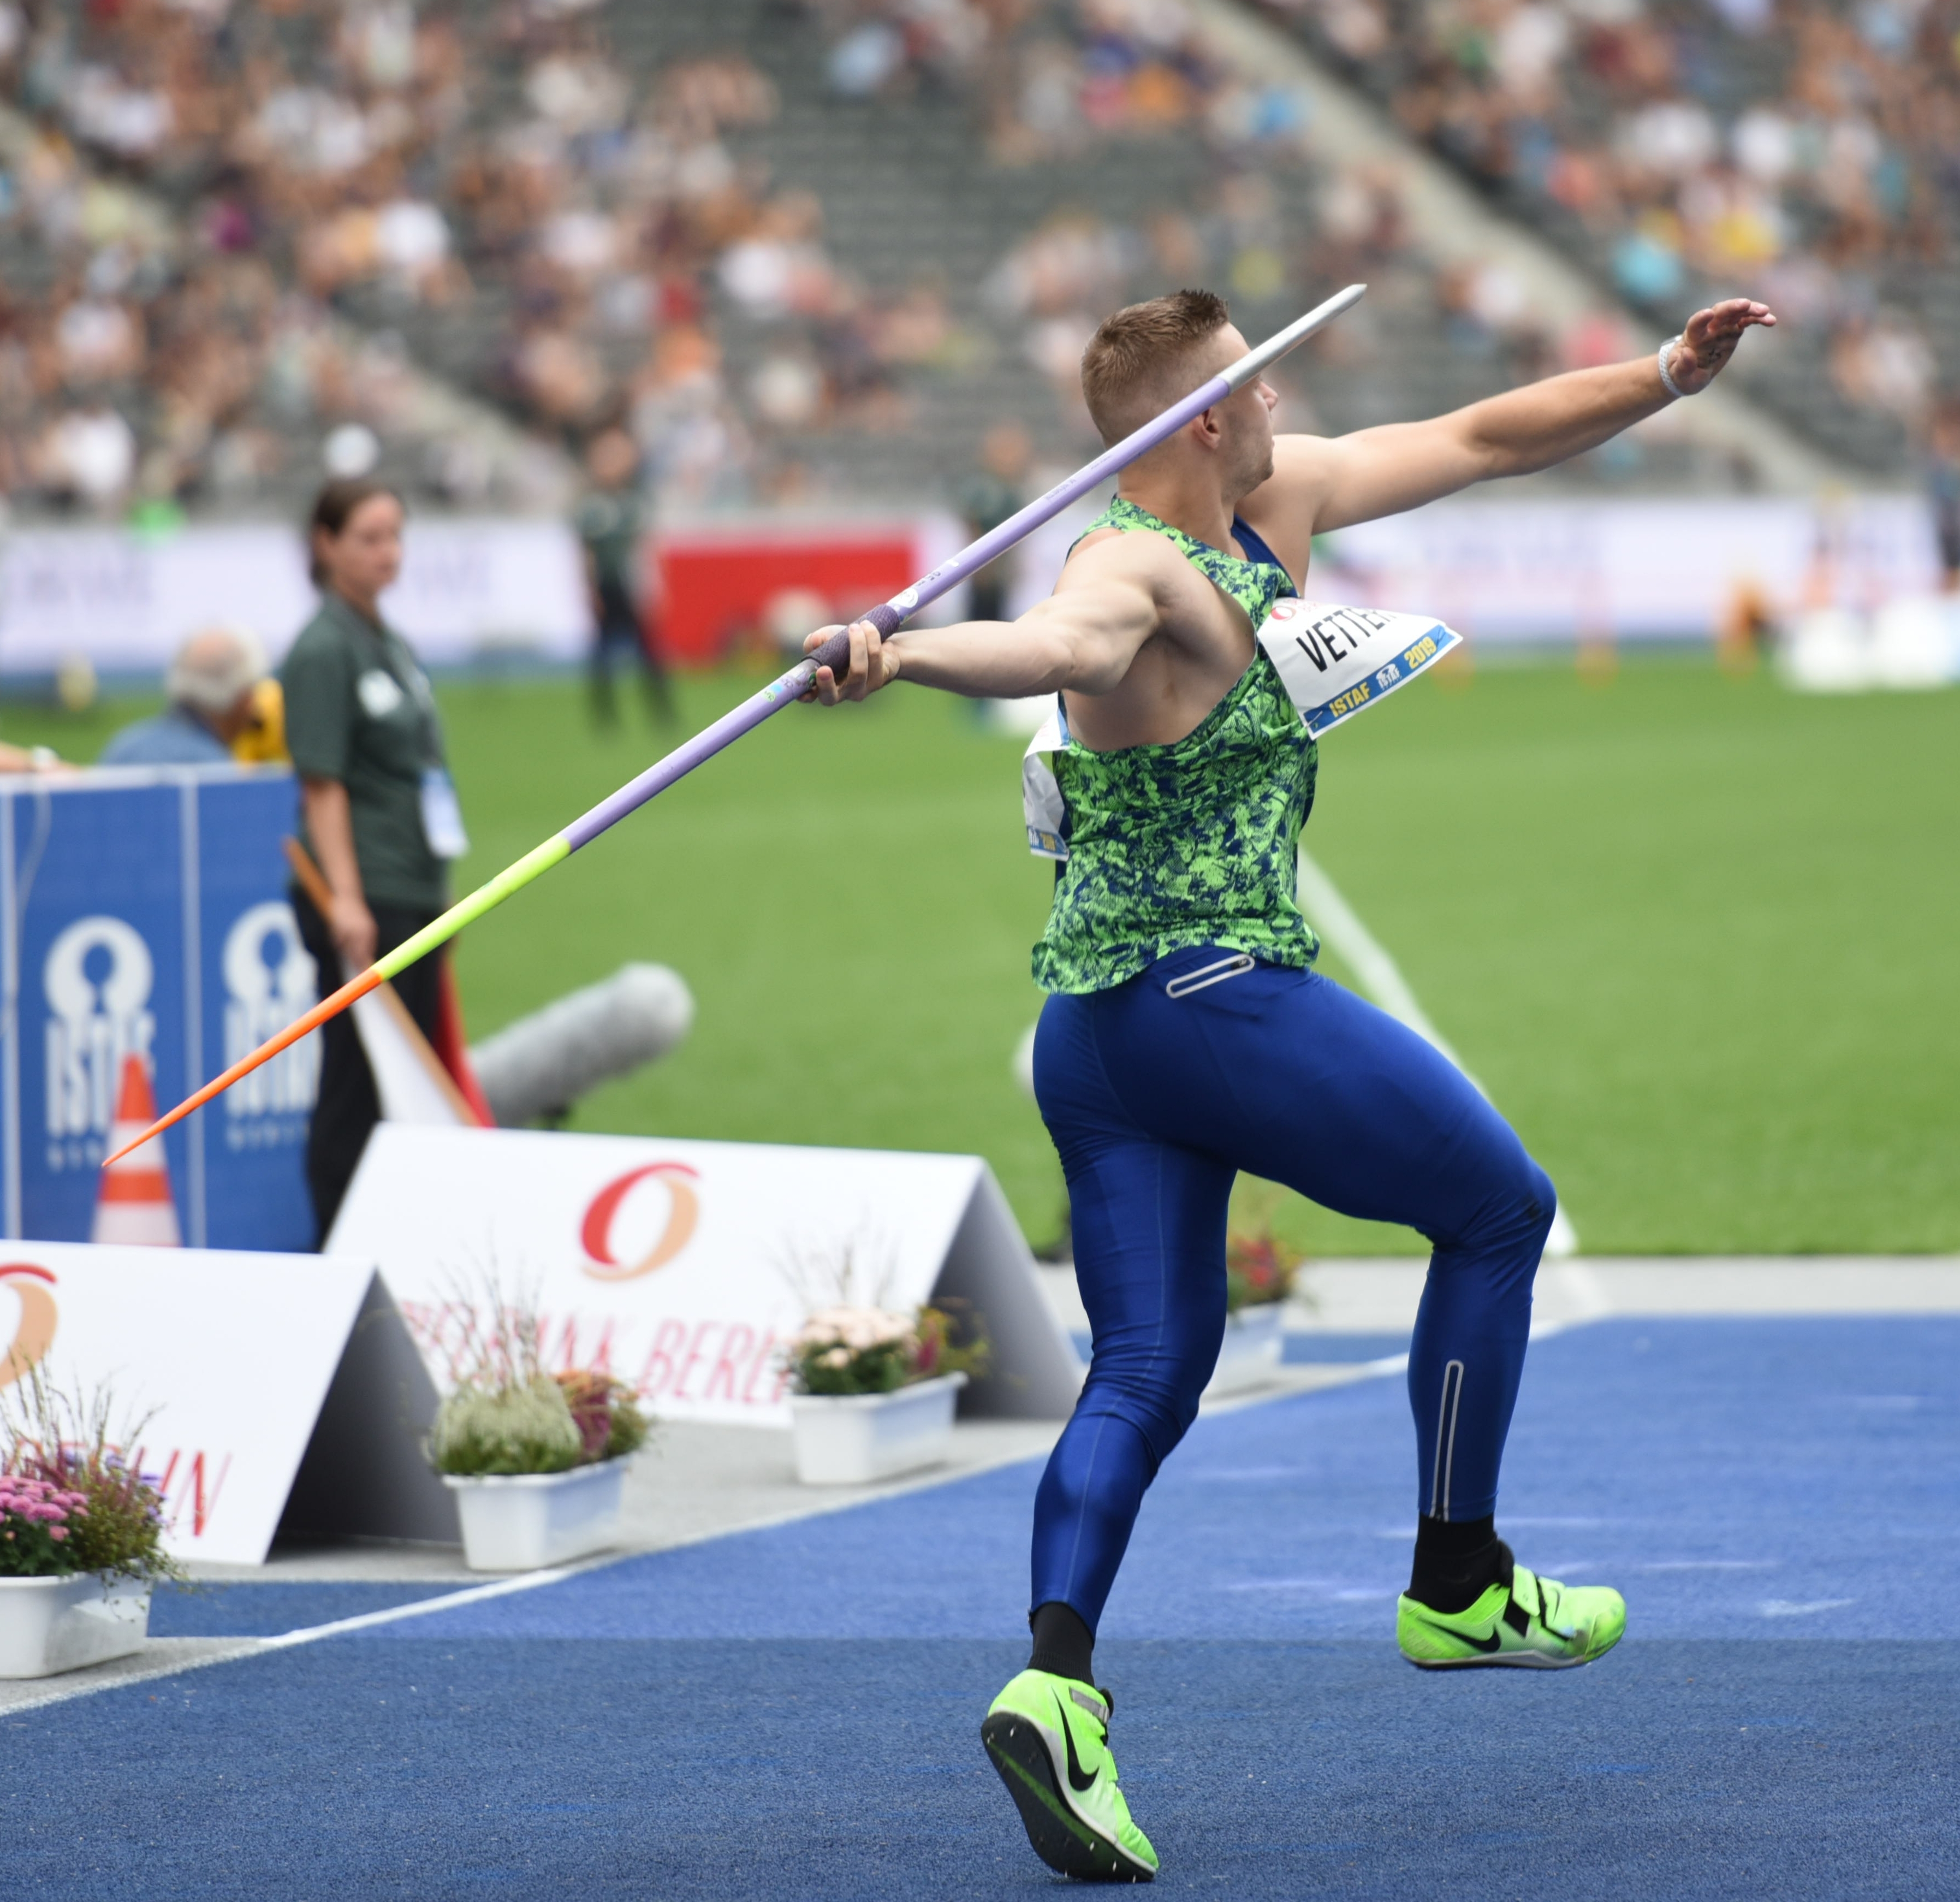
(1660, 362)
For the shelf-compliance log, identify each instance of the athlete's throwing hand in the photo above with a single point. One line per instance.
(873, 663)
(1709, 341)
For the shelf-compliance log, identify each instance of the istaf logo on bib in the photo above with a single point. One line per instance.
(1335, 660)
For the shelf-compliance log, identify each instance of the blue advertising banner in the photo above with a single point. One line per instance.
(257, 978)
(143, 915)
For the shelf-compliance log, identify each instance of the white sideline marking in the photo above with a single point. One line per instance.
(107, 1677)
(1381, 977)
(1802, 1608)
(447, 1602)
(236, 1650)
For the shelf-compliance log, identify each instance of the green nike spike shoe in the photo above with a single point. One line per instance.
(1539, 1623)
(1049, 1738)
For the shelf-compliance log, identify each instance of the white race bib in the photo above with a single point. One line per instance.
(1335, 660)
(1041, 803)
(1332, 662)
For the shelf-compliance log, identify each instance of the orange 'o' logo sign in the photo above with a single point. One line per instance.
(36, 1333)
(595, 1234)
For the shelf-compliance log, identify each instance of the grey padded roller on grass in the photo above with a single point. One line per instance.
(542, 1064)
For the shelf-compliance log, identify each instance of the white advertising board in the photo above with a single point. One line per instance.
(1560, 569)
(469, 586)
(683, 1267)
(234, 1356)
(1642, 567)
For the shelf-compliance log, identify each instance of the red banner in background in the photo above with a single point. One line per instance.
(720, 586)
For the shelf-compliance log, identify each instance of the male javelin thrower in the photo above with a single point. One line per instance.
(1185, 1034)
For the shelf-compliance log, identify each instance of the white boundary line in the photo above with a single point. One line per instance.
(241, 1649)
(244, 1647)
(1909, 1301)
(444, 1601)
(1381, 977)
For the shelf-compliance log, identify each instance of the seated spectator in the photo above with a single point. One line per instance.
(213, 689)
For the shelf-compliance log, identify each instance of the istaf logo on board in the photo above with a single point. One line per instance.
(97, 977)
(603, 1215)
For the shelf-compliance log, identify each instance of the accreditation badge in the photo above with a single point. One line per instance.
(1333, 660)
(442, 815)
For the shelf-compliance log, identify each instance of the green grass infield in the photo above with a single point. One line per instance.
(1695, 933)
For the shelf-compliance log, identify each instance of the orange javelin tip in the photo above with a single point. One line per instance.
(309, 1021)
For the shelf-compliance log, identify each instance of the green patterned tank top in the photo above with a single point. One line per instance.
(1192, 843)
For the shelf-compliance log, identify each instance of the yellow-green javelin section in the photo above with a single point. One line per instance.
(466, 911)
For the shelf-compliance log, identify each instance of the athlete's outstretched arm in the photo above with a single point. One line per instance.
(1344, 480)
(1083, 636)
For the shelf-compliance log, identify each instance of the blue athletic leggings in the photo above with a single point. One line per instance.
(1156, 1093)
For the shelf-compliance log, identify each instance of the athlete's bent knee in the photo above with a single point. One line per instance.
(1160, 1412)
(1511, 1220)
(1540, 1199)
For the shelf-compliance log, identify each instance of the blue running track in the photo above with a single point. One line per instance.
(794, 1713)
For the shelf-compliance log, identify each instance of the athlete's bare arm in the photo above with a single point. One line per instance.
(1106, 605)
(1144, 647)
(1320, 483)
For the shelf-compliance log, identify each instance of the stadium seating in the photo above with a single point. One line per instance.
(812, 249)
(1804, 152)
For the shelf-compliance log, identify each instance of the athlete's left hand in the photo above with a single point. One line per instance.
(874, 663)
(1709, 339)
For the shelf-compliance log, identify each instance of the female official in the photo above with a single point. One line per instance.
(378, 812)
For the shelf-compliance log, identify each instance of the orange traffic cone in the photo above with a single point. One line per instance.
(134, 1205)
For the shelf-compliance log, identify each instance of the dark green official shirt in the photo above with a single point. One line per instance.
(611, 523)
(359, 710)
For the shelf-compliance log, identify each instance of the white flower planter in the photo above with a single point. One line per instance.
(1250, 1355)
(518, 1522)
(49, 1625)
(849, 1439)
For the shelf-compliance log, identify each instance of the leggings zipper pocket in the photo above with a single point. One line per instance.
(1222, 971)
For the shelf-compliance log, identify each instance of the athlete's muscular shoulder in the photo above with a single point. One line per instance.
(1198, 644)
(1190, 617)
(1134, 556)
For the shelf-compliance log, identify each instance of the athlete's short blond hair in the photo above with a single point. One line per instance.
(1130, 369)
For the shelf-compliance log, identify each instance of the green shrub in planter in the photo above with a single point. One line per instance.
(523, 1428)
(120, 1528)
(505, 1416)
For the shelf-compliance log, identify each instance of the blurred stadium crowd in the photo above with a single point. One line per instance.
(1808, 150)
(238, 239)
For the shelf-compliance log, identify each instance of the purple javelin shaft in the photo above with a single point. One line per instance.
(889, 616)
(684, 759)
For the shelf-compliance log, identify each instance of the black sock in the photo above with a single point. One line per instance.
(1063, 1643)
(1455, 1561)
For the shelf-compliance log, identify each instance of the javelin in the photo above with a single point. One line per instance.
(888, 617)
